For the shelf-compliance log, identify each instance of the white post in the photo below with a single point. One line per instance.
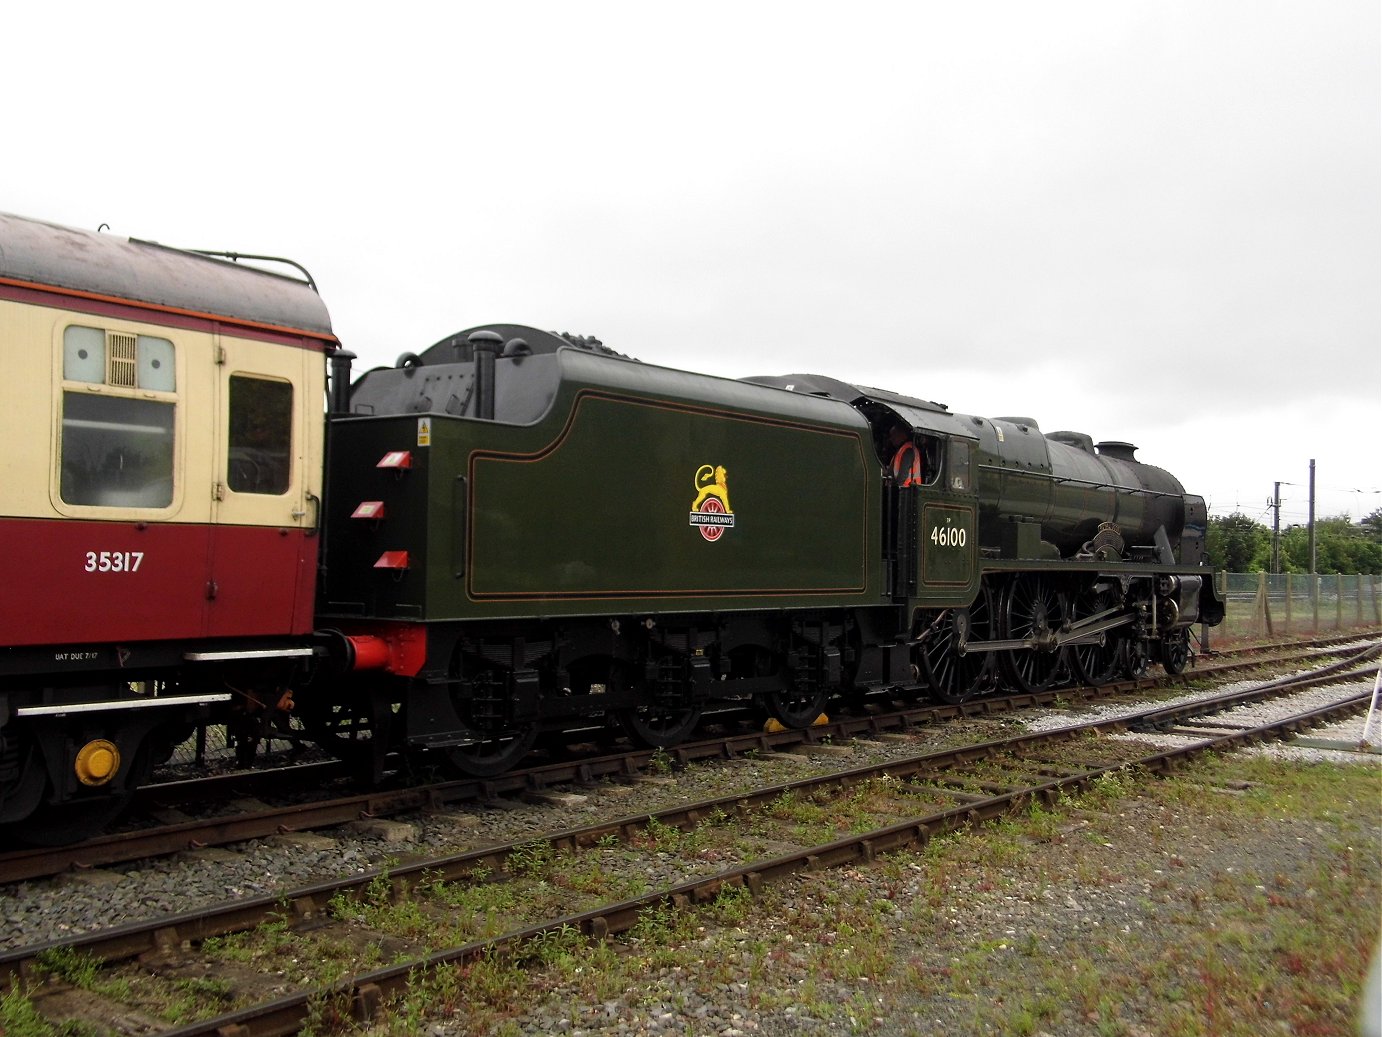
(1372, 710)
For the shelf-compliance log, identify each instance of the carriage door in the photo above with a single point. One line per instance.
(263, 555)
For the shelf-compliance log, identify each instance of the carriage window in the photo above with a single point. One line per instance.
(116, 451)
(118, 417)
(119, 359)
(84, 355)
(261, 435)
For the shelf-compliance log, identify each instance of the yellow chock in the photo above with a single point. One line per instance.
(772, 726)
(97, 762)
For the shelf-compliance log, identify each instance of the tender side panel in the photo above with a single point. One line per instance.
(646, 499)
(617, 502)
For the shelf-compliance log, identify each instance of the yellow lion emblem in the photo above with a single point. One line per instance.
(712, 482)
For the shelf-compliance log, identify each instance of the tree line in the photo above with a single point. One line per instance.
(1243, 545)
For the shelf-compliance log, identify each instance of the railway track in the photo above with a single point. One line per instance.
(174, 832)
(907, 802)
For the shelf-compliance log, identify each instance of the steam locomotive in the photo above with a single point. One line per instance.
(512, 533)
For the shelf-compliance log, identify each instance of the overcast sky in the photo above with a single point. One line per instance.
(1155, 222)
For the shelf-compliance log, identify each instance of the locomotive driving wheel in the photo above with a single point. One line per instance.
(1033, 608)
(953, 677)
(1094, 663)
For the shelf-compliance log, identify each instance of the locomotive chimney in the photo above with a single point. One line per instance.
(487, 345)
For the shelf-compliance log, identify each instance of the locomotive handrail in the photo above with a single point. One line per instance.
(1079, 482)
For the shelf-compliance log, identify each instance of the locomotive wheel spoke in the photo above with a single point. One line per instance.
(955, 678)
(1033, 607)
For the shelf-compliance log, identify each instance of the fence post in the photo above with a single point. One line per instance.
(1359, 589)
(1288, 604)
(1315, 602)
(1338, 601)
(1261, 616)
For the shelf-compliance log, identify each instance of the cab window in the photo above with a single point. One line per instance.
(958, 465)
(119, 404)
(261, 435)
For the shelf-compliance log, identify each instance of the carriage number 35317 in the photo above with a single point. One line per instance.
(114, 561)
(948, 536)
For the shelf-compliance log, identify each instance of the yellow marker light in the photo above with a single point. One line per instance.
(97, 762)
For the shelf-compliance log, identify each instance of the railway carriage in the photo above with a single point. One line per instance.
(512, 534)
(162, 474)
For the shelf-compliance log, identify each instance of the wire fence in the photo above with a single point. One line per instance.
(1261, 605)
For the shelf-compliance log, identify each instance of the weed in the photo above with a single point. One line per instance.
(81, 970)
(532, 860)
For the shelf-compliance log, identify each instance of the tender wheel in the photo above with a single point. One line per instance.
(796, 706)
(660, 727)
(953, 677)
(799, 702)
(485, 705)
(352, 726)
(494, 753)
(665, 715)
(1175, 651)
(1095, 664)
(1033, 607)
